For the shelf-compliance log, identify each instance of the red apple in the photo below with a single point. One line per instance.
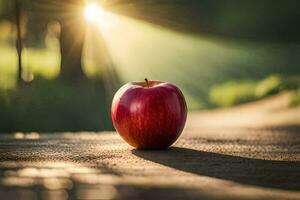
(150, 114)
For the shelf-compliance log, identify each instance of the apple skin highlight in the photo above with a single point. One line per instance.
(149, 115)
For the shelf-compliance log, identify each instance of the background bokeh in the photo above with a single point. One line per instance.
(220, 53)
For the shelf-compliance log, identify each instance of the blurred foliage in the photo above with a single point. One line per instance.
(291, 82)
(270, 85)
(232, 92)
(240, 91)
(295, 100)
(45, 105)
(6, 9)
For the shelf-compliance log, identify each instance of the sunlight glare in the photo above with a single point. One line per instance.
(93, 12)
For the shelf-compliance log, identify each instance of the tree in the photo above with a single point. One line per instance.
(19, 43)
(69, 14)
(72, 36)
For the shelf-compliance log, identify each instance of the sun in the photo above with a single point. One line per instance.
(99, 16)
(93, 12)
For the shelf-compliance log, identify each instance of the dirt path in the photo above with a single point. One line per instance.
(222, 160)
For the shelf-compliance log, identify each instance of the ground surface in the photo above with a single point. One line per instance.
(250, 152)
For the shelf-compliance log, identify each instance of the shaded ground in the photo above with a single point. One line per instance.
(244, 153)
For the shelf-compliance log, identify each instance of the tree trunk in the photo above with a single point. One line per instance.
(19, 44)
(72, 36)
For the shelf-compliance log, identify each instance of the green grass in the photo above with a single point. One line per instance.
(8, 67)
(40, 62)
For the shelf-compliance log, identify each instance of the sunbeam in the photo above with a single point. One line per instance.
(140, 49)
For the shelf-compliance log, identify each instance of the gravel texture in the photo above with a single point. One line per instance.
(222, 161)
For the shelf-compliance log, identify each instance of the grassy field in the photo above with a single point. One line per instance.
(39, 62)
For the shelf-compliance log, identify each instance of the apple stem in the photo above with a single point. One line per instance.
(147, 82)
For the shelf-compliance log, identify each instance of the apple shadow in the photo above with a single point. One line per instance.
(264, 173)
